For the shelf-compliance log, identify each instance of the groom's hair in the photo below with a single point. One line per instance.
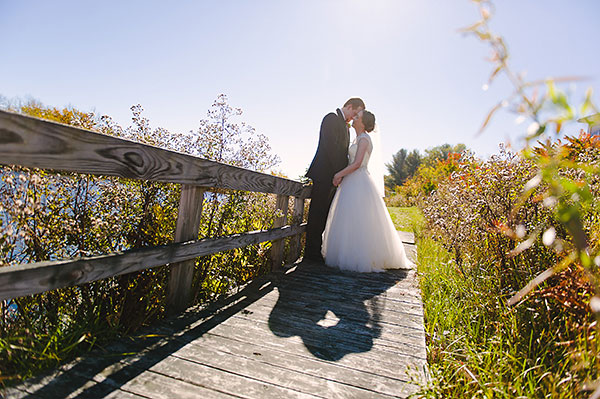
(368, 119)
(355, 103)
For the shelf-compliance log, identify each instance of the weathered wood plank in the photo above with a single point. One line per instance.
(336, 343)
(383, 363)
(216, 353)
(259, 336)
(248, 327)
(257, 350)
(300, 332)
(63, 383)
(297, 315)
(331, 288)
(121, 378)
(346, 283)
(279, 245)
(33, 278)
(248, 324)
(406, 237)
(280, 376)
(224, 381)
(408, 306)
(39, 143)
(297, 298)
(295, 242)
(395, 312)
(315, 368)
(188, 222)
(174, 376)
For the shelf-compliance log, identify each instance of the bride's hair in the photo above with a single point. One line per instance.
(368, 119)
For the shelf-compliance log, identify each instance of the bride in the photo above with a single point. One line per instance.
(359, 235)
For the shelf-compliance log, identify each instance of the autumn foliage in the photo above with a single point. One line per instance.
(46, 215)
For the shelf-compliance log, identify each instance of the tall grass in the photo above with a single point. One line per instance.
(406, 218)
(49, 216)
(478, 347)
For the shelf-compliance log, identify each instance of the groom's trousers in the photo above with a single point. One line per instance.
(321, 197)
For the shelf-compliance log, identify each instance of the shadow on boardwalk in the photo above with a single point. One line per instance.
(137, 354)
(334, 313)
(308, 331)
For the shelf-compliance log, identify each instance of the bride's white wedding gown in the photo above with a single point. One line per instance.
(359, 235)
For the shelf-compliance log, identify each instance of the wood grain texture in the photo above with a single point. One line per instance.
(33, 142)
(279, 245)
(295, 241)
(33, 278)
(188, 223)
(308, 332)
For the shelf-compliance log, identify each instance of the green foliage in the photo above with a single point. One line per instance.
(568, 195)
(426, 180)
(403, 166)
(477, 346)
(442, 153)
(49, 216)
(518, 229)
(407, 219)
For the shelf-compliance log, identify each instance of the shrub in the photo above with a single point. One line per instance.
(488, 227)
(46, 215)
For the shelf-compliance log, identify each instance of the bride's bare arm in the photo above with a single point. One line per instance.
(360, 155)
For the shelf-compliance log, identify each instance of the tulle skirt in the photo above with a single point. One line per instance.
(359, 235)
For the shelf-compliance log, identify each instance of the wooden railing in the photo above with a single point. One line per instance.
(32, 142)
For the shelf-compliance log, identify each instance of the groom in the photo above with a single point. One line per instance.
(331, 157)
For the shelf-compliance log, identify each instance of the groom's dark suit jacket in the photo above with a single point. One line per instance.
(332, 152)
(331, 157)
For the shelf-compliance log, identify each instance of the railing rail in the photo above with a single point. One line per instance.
(33, 142)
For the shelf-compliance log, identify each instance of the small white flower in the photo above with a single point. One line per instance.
(532, 129)
(550, 202)
(549, 236)
(533, 183)
(485, 87)
(520, 231)
(520, 119)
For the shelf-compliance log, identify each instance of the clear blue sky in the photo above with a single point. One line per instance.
(288, 63)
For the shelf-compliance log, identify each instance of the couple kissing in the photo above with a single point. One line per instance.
(349, 226)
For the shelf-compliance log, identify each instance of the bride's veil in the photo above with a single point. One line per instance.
(375, 166)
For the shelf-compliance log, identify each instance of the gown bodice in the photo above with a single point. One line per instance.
(354, 148)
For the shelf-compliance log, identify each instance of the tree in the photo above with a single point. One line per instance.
(441, 153)
(403, 166)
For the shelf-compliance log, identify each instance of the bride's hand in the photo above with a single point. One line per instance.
(336, 180)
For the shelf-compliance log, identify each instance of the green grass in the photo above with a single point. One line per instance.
(407, 219)
(477, 347)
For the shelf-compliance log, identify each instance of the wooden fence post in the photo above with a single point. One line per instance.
(279, 245)
(188, 224)
(297, 216)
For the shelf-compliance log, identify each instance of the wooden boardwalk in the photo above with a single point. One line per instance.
(306, 332)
